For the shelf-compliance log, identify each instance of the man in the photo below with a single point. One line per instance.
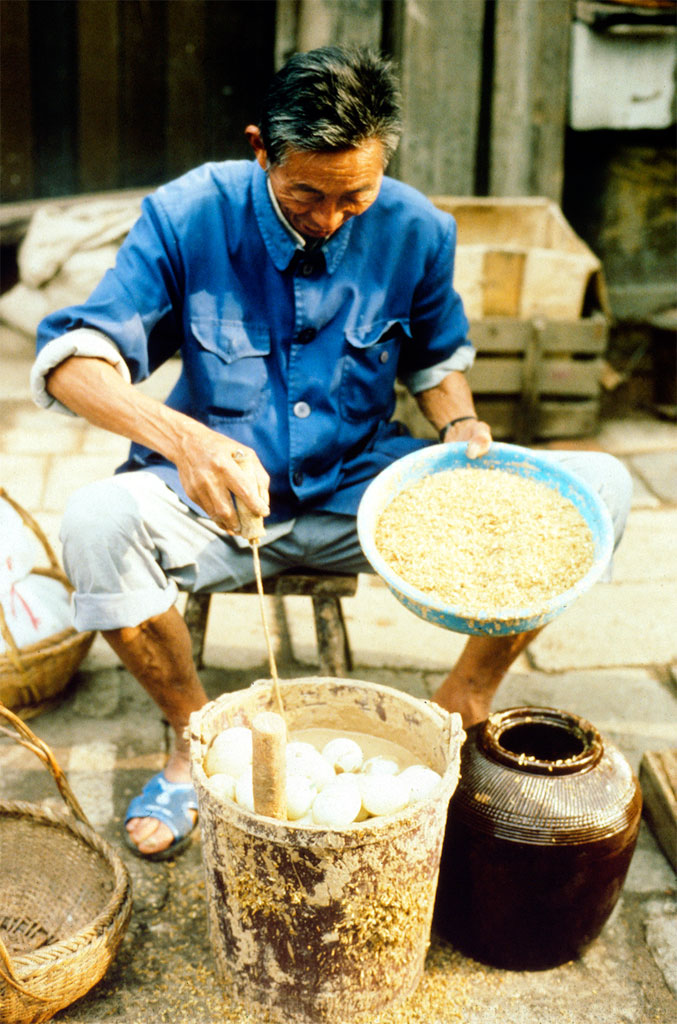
(297, 287)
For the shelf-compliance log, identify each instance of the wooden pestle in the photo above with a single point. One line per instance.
(252, 529)
(269, 734)
(251, 525)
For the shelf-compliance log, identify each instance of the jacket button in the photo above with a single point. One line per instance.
(307, 269)
(298, 477)
(384, 357)
(306, 335)
(302, 410)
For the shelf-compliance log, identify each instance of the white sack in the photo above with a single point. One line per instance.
(63, 257)
(54, 235)
(19, 547)
(35, 608)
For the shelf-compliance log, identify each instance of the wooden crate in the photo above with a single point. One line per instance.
(658, 778)
(519, 258)
(532, 379)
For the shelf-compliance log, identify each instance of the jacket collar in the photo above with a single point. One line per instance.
(281, 246)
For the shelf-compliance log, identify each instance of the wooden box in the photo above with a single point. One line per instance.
(518, 258)
(532, 379)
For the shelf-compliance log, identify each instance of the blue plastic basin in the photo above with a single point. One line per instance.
(509, 458)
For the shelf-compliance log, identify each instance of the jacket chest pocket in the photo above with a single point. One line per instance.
(369, 370)
(230, 375)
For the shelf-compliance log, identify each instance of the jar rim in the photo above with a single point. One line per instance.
(541, 741)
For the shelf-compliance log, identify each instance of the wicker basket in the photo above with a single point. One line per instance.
(33, 678)
(65, 899)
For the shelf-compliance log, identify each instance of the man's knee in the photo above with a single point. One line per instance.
(99, 520)
(608, 477)
(614, 486)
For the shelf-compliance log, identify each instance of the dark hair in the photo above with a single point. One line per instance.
(331, 99)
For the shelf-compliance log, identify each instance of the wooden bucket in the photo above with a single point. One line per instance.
(315, 924)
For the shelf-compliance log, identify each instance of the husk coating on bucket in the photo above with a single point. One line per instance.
(319, 925)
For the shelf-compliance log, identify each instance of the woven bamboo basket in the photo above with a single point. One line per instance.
(33, 678)
(65, 898)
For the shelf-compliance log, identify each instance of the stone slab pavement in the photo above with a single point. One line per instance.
(612, 658)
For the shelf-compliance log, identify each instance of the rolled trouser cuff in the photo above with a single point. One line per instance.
(116, 611)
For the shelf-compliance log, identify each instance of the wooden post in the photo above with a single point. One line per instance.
(98, 81)
(186, 99)
(302, 25)
(332, 642)
(438, 47)
(530, 88)
(16, 153)
(195, 616)
(531, 378)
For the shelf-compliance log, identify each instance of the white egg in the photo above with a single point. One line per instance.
(222, 785)
(421, 781)
(380, 765)
(339, 803)
(300, 795)
(299, 750)
(305, 759)
(343, 754)
(307, 819)
(383, 794)
(244, 791)
(230, 751)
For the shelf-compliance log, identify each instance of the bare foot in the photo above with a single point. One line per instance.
(149, 834)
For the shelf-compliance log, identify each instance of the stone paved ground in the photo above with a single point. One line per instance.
(612, 658)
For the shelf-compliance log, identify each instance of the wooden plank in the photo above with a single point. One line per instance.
(143, 92)
(527, 423)
(286, 20)
(338, 23)
(528, 118)
(98, 82)
(186, 101)
(16, 152)
(53, 45)
(658, 779)
(438, 47)
(568, 418)
(505, 334)
(502, 276)
(239, 63)
(564, 377)
(564, 419)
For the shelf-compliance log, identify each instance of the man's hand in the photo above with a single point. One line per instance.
(449, 401)
(475, 432)
(212, 468)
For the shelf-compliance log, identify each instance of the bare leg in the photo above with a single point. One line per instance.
(476, 676)
(158, 654)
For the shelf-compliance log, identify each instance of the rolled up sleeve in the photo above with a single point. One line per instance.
(420, 380)
(83, 341)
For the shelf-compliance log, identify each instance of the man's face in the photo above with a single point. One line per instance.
(318, 192)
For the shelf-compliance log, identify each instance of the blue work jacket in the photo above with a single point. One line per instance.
(294, 355)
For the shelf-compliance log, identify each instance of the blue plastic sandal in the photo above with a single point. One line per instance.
(171, 803)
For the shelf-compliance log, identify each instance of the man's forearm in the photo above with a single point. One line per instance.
(449, 401)
(93, 389)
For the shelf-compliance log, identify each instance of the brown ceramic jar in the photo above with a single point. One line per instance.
(540, 834)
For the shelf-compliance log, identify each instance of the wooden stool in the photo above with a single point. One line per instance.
(326, 591)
